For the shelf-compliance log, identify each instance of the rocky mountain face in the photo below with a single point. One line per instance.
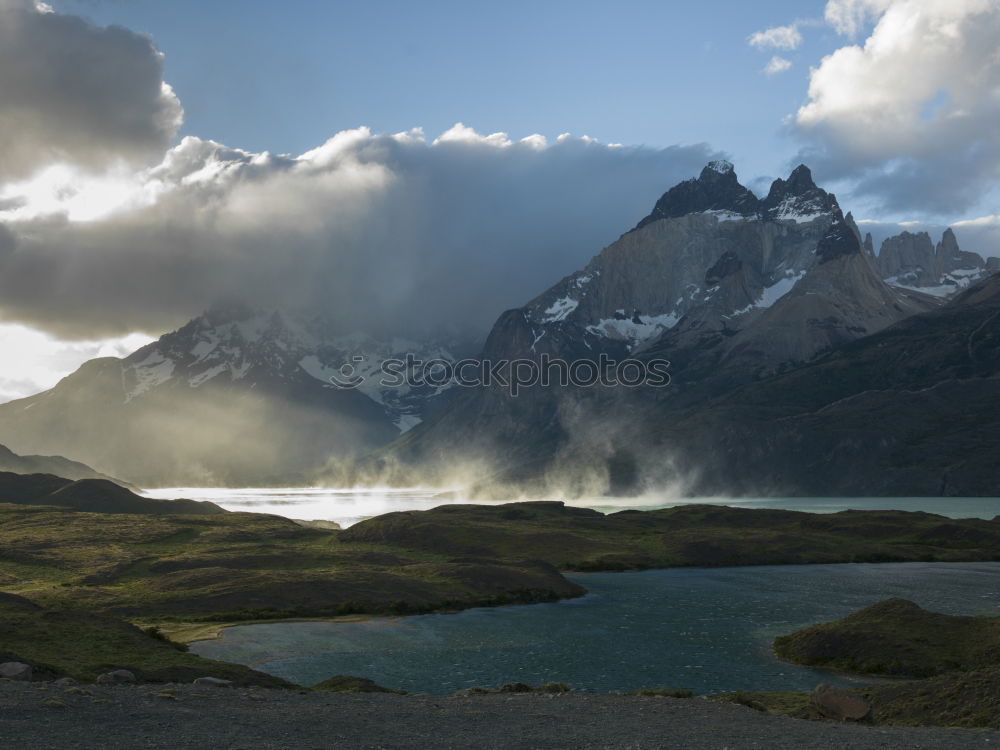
(707, 263)
(912, 261)
(729, 288)
(235, 397)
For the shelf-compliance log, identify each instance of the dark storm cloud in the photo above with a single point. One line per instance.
(380, 233)
(72, 92)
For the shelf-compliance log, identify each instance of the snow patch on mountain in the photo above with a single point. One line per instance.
(951, 282)
(722, 215)
(560, 309)
(799, 211)
(721, 166)
(634, 330)
(152, 371)
(773, 293)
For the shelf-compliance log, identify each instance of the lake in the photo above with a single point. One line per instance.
(348, 506)
(706, 629)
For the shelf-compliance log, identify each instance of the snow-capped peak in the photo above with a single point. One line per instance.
(721, 166)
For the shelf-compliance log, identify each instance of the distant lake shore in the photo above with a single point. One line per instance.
(350, 505)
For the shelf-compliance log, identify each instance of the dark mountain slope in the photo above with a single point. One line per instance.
(912, 410)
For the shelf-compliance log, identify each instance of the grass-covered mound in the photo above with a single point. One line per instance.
(236, 566)
(702, 535)
(84, 645)
(91, 495)
(896, 638)
(958, 657)
(956, 699)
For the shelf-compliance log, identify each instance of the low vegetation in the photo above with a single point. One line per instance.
(242, 566)
(896, 638)
(688, 535)
(84, 645)
(957, 657)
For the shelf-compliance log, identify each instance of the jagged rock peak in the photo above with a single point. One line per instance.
(719, 166)
(797, 198)
(800, 180)
(948, 246)
(717, 188)
(839, 240)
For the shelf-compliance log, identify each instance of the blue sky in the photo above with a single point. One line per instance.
(285, 76)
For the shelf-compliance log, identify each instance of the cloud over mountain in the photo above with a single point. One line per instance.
(376, 231)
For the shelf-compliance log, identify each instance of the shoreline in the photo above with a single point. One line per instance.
(193, 632)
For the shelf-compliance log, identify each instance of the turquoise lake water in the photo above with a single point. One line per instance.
(706, 629)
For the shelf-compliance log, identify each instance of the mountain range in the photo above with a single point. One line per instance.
(744, 296)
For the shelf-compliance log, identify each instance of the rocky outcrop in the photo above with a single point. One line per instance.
(15, 670)
(839, 704)
(116, 677)
(216, 682)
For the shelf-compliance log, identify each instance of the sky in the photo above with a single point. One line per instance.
(423, 166)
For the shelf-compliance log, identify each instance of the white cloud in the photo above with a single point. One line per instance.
(982, 221)
(778, 37)
(849, 16)
(915, 106)
(777, 65)
(72, 92)
(459, 133)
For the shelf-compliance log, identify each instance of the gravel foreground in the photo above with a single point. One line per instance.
(181, 717)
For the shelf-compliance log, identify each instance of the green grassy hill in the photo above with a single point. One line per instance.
(83, 645)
